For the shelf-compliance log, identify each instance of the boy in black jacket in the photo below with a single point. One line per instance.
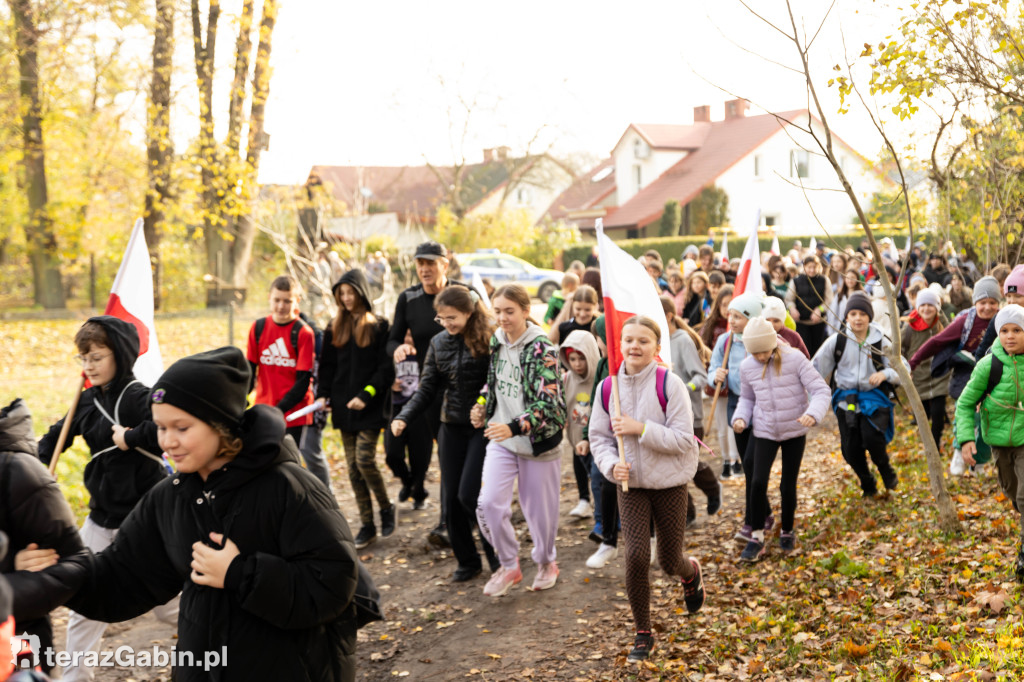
(113, 417)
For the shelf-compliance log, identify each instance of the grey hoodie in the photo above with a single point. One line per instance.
(855, 367)
(576, 388)
(686, 363)
(509, 389)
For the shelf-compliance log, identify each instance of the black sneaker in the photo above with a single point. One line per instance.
(737, 468)
(693, 589)
(787, 541)
(439, 537)
(365, 536)
(727, 470)
(643, 645)
(753, 552)
(891, 482)
(405, 493)
(466, 573)
(715, 501)
(388, 519)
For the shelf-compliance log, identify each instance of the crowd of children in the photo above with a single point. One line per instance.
(238, 521)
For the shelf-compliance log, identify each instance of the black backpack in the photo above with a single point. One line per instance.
(319, 418)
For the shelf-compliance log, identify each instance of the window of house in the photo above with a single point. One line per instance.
(632, 234)
(638, 177)
(758, 166)
(523, 195)
(799, 163)
(770, 221)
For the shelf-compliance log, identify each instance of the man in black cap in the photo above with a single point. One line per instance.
(414, 312)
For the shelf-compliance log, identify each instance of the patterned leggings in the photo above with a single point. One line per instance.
(667, 507)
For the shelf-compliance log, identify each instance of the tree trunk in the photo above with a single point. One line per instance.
(245, 230)
(948, 519)
(159, 150)
(205, 52)
(242, 50)
(42, 243)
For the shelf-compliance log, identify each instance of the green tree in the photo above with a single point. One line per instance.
(709, 209)
(671, 219)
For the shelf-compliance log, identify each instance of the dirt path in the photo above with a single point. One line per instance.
(578, 630)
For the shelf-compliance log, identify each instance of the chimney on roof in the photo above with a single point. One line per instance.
(503, 152)
(736, 108)
(702, 114)
(488, 155)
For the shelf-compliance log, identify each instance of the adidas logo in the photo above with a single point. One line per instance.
(277, 354)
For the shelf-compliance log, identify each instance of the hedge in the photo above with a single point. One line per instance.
(672, 247)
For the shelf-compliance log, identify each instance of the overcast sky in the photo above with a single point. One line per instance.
(361, 83)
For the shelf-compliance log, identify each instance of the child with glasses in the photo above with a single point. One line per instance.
(113, 416)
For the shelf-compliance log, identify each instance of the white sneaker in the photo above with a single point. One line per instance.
(957, 465)
(654, 552)
(583, 510)
(602, 556)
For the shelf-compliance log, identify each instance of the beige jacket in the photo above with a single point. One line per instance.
(665, 456)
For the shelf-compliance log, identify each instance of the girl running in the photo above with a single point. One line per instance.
(584, 306)
(918, 328)
(524, 414)
(716, 324)
(661, 458)
(355, 374)
(775, 383)
(456, 364)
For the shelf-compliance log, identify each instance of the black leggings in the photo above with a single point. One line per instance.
(609, 512)
(461, 449)
(863, 435)
(936, 409)
(417, 439)
(762, 456)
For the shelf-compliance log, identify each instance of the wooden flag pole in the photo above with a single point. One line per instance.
(66, 428)
(618, 438)
(718, 385)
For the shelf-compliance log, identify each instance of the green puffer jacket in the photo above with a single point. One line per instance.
(1002, 412)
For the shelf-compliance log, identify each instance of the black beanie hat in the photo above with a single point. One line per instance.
(211, 386)
(6, 595)
(859, 301)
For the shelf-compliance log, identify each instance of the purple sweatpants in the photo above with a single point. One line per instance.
(538, 495)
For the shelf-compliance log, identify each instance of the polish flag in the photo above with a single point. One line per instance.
(748, 277)
(628, 291)
(775, 250)
(131, 299)
(725, 247)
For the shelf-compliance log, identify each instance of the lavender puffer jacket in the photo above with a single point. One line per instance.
(774, 403)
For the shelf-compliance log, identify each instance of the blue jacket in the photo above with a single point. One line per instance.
(868, 402)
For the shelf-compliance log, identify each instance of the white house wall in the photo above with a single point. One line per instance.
(656, 163)
(778, 194)
(537, 190)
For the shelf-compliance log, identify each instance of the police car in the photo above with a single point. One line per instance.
(502, 268)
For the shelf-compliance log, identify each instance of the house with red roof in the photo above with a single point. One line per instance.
(765, 163)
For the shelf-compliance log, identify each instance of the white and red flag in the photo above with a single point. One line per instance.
(131, 299)
(748, 277)
(775, 250)
(628, 291)
(725, 247)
